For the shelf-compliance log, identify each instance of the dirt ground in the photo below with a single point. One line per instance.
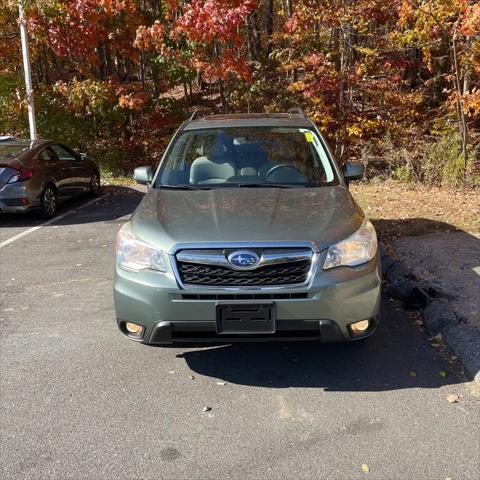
(399, 209)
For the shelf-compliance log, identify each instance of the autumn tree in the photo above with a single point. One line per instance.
(364, 70)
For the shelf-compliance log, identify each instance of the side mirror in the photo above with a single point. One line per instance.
(353, 171)
(83, 156)
(143, 175)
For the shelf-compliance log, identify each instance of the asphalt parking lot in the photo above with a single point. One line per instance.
(78, 400)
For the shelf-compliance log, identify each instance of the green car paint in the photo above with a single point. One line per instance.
(245, 213)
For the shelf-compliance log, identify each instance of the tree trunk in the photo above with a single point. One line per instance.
(185, 93)
(462, 122)
(257, 43)
(248, 32)
(223, 98)
(268, 26)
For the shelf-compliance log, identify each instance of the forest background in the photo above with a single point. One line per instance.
(394, 84)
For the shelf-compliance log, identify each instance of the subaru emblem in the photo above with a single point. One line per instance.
(243, 259)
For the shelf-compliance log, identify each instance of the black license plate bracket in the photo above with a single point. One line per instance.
(245, 317)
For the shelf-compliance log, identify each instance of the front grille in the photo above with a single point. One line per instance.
(242, 296)
(212, 275)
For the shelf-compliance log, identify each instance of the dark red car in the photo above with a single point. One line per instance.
(39, 174)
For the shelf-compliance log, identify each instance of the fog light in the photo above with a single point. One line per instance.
(134, 329)
(358, 328)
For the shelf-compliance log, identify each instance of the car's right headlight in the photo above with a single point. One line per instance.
(135, 254)
(358, 248)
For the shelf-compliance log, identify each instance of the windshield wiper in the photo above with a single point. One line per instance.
(270, 185)
(232, 185)
(182, 187)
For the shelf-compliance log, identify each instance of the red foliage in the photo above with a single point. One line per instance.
(208, 20)
(77, 27)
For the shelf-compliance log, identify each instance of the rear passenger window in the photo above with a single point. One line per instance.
(46, 155)
(63, 153)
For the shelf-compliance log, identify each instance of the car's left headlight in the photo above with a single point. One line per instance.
(358, 248)
(134, 254)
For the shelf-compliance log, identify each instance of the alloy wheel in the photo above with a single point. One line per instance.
(49, 202)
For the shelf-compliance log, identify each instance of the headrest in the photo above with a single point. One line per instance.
(219, 152)
(252, 155)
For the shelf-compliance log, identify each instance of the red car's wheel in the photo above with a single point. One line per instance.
(48, 202)
(95, 184)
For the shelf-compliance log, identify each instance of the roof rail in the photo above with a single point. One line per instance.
(193, 115)
(296, 111)
(199, 113)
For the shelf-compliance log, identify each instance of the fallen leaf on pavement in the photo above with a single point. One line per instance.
(221, 383)
(453, 398)
(436, 340)
(442, 373)
(191, 377)
(171, 371)
(365, 468)
(207, 408)
(413, 374)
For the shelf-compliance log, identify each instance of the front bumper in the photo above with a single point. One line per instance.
(334, 299)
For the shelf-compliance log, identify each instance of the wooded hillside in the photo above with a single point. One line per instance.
(393, 83)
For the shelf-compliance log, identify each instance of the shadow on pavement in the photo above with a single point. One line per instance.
(120, 201)
(388, 228)
(381, 363)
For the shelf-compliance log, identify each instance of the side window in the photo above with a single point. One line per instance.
(63, 153)
(46, 155)
(176, 169)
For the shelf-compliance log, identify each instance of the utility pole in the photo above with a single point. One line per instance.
(27, 70)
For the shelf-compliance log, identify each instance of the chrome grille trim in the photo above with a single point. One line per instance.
(210, 275)
(213, 257)
(309, 251)
(244, 245)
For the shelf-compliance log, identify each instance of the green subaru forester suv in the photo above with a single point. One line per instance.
(247, 232)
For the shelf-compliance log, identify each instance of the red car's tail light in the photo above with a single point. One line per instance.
(21, 176)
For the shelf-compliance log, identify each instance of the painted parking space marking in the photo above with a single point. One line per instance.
(49, 222)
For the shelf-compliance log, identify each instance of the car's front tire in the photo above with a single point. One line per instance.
(48, 201)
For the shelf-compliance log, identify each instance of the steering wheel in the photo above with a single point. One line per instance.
(282, 165)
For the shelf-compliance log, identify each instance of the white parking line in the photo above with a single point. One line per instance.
(48, 222)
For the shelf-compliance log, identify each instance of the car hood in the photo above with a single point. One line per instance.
(322, 216)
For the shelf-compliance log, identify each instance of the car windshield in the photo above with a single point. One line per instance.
(246, 157)
(10, 152)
